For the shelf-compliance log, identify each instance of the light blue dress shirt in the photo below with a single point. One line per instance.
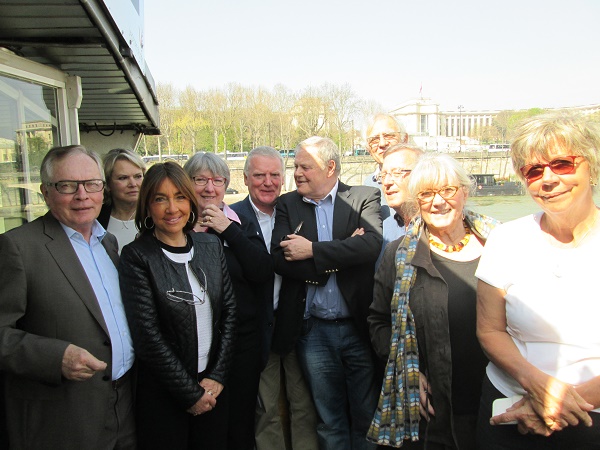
(104, 278)
(325, 302)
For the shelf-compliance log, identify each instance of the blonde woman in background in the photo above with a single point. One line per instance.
(124, 171)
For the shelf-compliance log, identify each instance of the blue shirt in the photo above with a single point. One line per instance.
(391, 231)
(325, 302)
(104, 278)
(371, 180)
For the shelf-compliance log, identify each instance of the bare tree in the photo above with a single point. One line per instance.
(343, 106)
(167, 98)
(310, 111)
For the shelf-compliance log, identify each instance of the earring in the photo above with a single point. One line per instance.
(194, 218)
(592, 182)
(146, 224)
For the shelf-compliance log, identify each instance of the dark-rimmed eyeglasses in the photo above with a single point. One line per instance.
(202, 181)
(560, 166)
(391, 138)
(447, 192)
(71, 186)
(396, 174)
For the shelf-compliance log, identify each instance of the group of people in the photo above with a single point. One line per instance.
(392, 321)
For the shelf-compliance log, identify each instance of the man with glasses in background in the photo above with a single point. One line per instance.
(65, 345)
(383, 132)
(398, 162)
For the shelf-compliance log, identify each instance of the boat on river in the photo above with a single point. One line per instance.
(487, 185)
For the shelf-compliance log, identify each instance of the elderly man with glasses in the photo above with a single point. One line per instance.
(65, 346)
(398, 162)
(383, 131)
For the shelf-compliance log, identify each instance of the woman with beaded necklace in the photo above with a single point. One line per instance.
(423, 316)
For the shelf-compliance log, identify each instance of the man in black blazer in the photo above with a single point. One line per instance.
(65, 346)
(264, 174)
(326, 240)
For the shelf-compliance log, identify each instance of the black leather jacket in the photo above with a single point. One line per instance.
(164, 332)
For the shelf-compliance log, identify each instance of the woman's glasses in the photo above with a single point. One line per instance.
(560, 166)
(189, 297)
(185, 297)
(202, 181)
(447, 192)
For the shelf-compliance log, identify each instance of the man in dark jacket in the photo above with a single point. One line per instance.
(264, 174)
(326, 240)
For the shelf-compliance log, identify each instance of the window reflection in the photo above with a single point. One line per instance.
(28, 129)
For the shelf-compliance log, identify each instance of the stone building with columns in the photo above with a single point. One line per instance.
(453, 130)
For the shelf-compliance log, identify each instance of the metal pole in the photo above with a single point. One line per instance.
(460, 108)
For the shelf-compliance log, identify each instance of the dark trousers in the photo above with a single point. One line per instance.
(3, 431)
(244, 377)
(164, 424)
(507, 437)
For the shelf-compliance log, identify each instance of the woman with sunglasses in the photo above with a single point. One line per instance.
(251, 270)
(180, 306)
(422, 319)
(538, 300)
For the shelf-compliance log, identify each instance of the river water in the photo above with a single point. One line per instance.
(508, 208)
(502, 208)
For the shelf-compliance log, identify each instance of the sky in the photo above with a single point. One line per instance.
(483, 55)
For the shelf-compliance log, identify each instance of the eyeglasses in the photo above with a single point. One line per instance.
(560, 166)
(202, 181)
(185, 297)
(447, 192)
(396, 174)
(392, 138)
(71, 186)
(188, 297)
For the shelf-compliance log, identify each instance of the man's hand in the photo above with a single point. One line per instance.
(358, 232)
(79, 365)
(296, 248)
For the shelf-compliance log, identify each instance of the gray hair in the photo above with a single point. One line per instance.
(326, 150)
(208, 162)
(266, 151)
(438, 170)
(539, 135)
(417, 151)
(381, 116)
(56, 154)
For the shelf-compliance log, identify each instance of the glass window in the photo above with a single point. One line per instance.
(28, 129)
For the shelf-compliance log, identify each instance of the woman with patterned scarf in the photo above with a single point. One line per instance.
(422, 319)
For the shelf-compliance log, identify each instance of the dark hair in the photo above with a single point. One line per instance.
(152, 180)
